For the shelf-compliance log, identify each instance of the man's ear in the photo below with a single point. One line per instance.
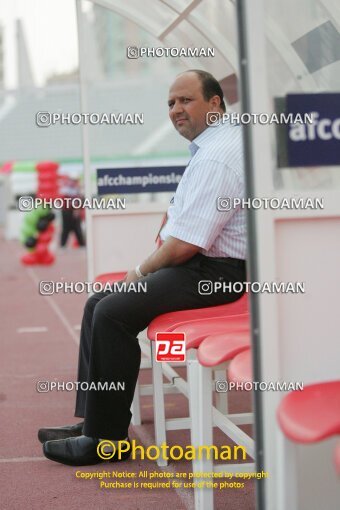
(215, 103)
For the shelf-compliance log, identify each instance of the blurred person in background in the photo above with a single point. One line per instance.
(71, 217)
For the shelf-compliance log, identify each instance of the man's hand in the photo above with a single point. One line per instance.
(131, 276)
(173, 252)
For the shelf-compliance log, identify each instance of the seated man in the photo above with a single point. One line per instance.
(200, 242)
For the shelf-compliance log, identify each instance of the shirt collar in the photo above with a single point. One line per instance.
(200, 140)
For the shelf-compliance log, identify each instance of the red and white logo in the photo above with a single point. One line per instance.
(170, 346)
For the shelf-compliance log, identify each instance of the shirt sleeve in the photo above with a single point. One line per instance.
(201, 219)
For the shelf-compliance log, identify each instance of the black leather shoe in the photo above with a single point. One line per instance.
(78, 451)
(53, 433)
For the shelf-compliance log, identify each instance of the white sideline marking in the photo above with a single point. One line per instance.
(23, 459)
(36, 329)
(54, 307)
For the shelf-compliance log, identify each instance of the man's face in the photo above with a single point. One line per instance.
(187, 106)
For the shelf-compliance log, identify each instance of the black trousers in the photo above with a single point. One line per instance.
(109, 350)
(71, 223)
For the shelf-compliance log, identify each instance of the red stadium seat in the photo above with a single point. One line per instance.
(197, 331)
(311, 415)
(169, 321)
(240, 369)
(110, 277)
(217, 349)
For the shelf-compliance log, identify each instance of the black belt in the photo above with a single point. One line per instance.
(228, 260)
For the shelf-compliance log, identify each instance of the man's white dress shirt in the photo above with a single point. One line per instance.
(214, 172)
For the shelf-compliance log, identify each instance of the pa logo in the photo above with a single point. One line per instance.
(170, 347)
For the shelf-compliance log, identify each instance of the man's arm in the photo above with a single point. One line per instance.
(172, 253)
